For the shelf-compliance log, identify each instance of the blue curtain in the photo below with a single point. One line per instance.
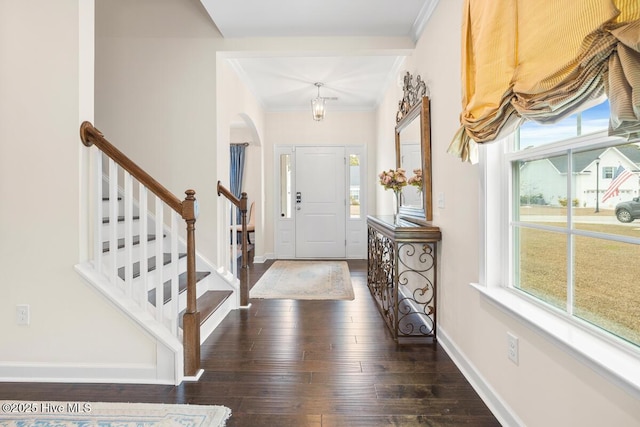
(237, 171)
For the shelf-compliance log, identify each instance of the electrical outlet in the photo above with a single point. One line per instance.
(512, 348)
(22, 314)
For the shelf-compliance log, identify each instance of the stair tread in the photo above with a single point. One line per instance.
(208, 303)
(182, 286)
(136, 241)
(151, 264)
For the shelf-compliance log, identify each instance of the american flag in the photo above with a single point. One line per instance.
(619, 177)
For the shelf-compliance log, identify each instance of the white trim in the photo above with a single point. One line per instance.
(168, 368)
(421, 20)
(505, 415)
(392, 78)
(261, 259)
(587, 142)
(82, 373)
(128, 306)
(356, 248)
(618, 362)
(86, 102)
(194, 378)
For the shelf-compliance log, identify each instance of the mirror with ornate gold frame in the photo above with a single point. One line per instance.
(413, 151)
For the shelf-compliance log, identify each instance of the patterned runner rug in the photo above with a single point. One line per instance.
(305, 280)
(99, 414)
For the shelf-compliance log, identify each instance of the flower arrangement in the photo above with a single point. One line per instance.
(416, 180)
(393, 179)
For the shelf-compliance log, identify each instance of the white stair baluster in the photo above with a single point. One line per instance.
(159, 242)
(220, 257)
(175, 273)
(99, 213)
(223, 241)
(144, 247)
(234, 238)
(128, 233)
(113, 223)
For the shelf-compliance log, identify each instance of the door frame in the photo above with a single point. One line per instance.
(284, 228)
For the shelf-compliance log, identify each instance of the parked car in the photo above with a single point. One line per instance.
(628, 211)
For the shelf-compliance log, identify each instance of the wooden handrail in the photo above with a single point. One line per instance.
(90, 135)
(223, 191)
(187, 210)
(241, 203)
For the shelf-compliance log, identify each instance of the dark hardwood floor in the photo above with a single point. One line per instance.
(291, 363)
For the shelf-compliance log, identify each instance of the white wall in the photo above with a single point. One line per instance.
(237, 103)
(74, 333)
(156, 96)
(549, 387)
(385, 156)
(299, 128)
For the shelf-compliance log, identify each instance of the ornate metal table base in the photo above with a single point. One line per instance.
(402, 276)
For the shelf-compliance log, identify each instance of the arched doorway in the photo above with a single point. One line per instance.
(243, 132)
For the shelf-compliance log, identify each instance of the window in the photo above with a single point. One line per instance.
(569, 248)
(607, 172)
(570, 244)
(354, 186)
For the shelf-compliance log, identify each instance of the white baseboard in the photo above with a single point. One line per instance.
(194, 378)
(498, 407)
(261, 259)
(80, 373)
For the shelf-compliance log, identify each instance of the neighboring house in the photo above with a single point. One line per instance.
(593, 171)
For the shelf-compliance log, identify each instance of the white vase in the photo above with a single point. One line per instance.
(396, 207)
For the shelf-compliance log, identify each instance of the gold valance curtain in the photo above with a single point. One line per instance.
(544, 60)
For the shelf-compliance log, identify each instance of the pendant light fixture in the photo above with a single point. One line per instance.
(317, 105)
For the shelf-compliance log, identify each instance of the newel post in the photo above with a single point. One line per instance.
(244, 268)
(191, 319)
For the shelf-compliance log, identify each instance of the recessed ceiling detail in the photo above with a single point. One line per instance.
(286, 83)
(327, 18)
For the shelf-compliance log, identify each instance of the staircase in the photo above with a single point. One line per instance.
(146, 263)
(212, 299)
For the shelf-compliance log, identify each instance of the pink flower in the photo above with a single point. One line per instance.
(393, 179)
(416, 180)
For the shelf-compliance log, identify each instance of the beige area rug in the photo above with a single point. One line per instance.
(98, 414)
(305, 280)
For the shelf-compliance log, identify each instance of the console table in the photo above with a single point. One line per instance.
(401, 275)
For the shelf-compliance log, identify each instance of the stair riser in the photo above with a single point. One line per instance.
(120, 229)
(136, 252)
(214, 320)
(120, 202)
(167, 272)
(201, 288)
(105, 208)
(136, 230)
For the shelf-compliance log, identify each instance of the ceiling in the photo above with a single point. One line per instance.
(286, 83)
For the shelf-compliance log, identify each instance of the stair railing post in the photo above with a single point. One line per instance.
(240, 203)
(191, 318)
(244, 268)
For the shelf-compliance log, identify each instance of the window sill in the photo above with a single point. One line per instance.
(617, 362)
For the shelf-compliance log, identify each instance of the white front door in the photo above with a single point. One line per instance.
(320, 202)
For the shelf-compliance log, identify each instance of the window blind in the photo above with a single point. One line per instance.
(544, 60)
